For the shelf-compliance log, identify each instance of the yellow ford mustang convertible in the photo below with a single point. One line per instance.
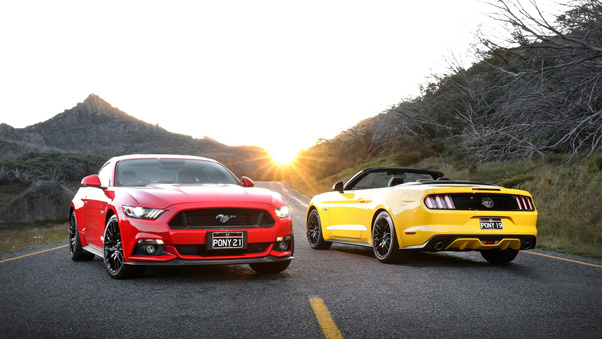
(393, 209)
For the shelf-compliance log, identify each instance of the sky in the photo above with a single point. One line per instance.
(275, 74)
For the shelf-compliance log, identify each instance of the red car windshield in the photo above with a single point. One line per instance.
(141, 172)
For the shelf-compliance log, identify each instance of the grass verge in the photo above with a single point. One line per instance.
(18, 237)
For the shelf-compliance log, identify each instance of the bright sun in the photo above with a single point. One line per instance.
(283, 156)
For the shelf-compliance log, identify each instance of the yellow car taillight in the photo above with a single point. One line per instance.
(439, 202)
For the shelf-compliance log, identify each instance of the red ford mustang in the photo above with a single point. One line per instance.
(145, 210)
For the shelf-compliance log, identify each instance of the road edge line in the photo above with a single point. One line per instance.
(30, 254)
(575, 261)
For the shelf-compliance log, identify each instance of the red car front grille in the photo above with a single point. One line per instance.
(216, 218)
(201, 250)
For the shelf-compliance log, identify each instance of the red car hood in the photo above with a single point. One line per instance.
(162, 196)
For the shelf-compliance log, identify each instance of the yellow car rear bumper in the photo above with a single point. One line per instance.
(476, 242)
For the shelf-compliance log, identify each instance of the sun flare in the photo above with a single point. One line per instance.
(283, 156)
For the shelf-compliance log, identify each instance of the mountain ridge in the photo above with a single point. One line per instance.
(102, 127)
(96, 127)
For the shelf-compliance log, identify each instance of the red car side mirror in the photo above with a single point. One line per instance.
(246, 182)
(91, 180)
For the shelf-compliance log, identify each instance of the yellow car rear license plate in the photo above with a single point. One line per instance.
(492, 224)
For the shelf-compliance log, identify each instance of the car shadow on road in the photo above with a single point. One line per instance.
(425, 259)
(192, 273)
(210, 273)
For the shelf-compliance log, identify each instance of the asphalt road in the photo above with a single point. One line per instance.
(446, 295)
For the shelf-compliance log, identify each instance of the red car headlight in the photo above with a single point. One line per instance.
(283, 212)
(142, 213)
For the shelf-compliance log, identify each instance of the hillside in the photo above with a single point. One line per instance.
(535, 95)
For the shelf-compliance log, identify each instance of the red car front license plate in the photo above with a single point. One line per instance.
(491, 224)
(226, 240)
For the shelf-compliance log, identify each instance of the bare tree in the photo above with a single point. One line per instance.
(55, 173)
(538, 91)
(23, 176)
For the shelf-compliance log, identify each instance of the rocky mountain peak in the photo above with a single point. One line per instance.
(95, 100)
(95, 104)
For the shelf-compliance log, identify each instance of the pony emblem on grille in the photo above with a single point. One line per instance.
(223, 218)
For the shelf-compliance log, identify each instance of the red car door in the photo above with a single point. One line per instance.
(95, 208)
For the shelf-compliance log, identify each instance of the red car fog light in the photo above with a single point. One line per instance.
(283, 243)
(150, 247)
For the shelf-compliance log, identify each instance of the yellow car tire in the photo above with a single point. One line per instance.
(314, 232)
(499, 256)
(384, 239)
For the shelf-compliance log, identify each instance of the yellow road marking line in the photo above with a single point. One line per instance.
(329, 328)
(575, 261)
(27, 255)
